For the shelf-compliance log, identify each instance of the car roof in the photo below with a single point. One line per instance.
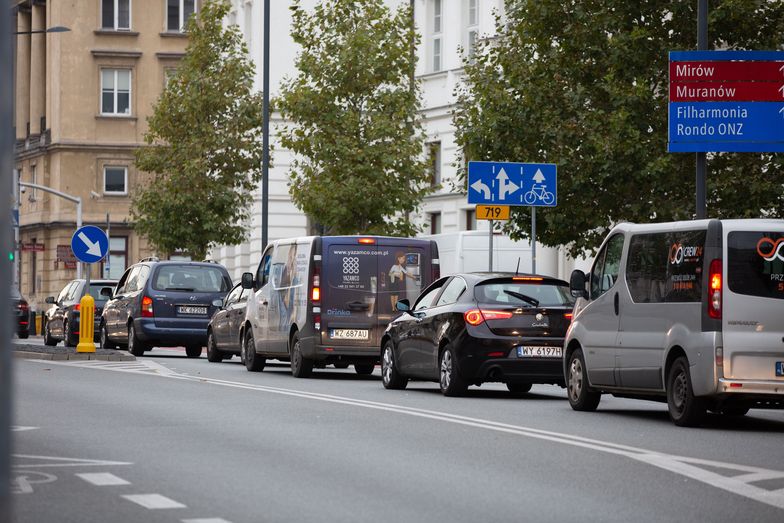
(697, 224)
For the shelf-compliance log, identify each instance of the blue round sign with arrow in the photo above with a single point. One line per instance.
(89, 244)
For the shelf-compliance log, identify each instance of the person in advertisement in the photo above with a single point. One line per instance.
(397, 275)
(289, 280)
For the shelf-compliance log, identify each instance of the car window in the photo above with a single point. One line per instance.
(74, 291)
(190, 278)
(141, 278)
(233, 296)
(244, 295)
(547, 293)
(452, 292)
(123, 280)
(607, 266)
(427, 297)
(756, 263)
(262, 275)
(131, 284)
(63, 293)
(96, 288)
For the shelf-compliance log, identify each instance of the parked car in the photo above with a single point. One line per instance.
(690, 312)
(473, 328)
(164, 304)
(21, 312)
(223, 331)
(62, 319)
(323, 300)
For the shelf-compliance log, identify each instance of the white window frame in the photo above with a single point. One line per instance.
(471, 27)
(116, 26)
(116, 70)
(125, 180)
(436, 42)
(181, 15)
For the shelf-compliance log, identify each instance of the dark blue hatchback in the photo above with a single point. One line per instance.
(164, 304)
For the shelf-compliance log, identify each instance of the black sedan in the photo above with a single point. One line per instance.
(62, 318)
(223, 331)
(21, 313)
(473, 328)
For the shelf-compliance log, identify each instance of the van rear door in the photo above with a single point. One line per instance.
(753, 304)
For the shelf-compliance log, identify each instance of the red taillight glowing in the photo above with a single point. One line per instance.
(367, 241)
(477, 316)
(714, 289)
(736, 385)
(315, 291)
(526, 278)
(315, 295)
(147, 307)
(568, 316)
(78, 307)
(23, 306)
(497, 354)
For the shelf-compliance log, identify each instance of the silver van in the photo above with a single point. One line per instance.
(690, 312)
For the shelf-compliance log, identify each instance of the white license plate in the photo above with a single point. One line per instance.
(539, 352)
(348, 334)
(190, 309)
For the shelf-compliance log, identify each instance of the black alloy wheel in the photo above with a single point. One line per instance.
(253, 362)
(451, 383)
(390, 376)
(581, 397)
(301, 367)
(49, 341)
(686, 409)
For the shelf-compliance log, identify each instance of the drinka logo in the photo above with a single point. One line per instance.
(680, 252)
(770, 249)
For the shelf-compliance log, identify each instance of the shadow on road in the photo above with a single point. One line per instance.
(492, 394)
(748, 423)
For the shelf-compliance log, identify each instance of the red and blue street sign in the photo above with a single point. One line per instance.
(730, 101)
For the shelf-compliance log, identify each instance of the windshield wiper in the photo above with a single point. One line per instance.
(527, 299)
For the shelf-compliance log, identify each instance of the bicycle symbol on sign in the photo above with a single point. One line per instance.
(539, 192)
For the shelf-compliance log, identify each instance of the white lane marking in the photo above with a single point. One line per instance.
(134, 367)
(683, 465)
(153, 501)
(23, 481)
(16, 428)
(206, 520)
(61, 462)
(102, 479)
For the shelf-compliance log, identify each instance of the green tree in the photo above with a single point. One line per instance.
(354, 129)
(203, 144)
(584, 84)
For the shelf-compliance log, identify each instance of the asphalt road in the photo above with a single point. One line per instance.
(173, 439)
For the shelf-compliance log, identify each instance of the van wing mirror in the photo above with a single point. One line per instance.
(403, 306)
(577, 284)
(50, 300)
(247, 280)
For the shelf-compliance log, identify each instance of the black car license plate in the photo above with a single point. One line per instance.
(191, 310)
(780, 368)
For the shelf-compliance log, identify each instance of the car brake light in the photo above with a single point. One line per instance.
(78, 307)
(477, 316)
(496, 354)
(526, 278)
(367, 241)
(568, 316)
(23, 306)
(147, 307)
(714, 294)
(315, 292)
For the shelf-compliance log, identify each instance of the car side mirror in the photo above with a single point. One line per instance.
(247, 280)
(106, 291)
(403, 306)
(50, 300)
(577, 284)
(217, 303)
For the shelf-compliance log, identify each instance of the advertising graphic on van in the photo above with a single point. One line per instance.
(771, 249)
(289, 276)
(756, 264)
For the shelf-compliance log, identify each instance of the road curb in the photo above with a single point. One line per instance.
(27, 355)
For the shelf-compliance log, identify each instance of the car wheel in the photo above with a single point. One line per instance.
(48, 340)
(390, 377)
(519, 388)
(364, 369)
(341, 365)
(253, 362)
(193, 351)
(452, 384)
(301, 367)
(686, 410)
(135, 345)
(67, 336)
(581, 397)
(23, 335)
(106, 343)
(213, 354)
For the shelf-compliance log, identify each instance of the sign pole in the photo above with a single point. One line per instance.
(491, 244)
(533, 240)
(701, 159)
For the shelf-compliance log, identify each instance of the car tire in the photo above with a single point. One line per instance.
(253, 362)
(135, 345)
(341, 365)
(519, 388)
(213, 354)
(23, 335)
(193, 351)
(301, 367)
(581, 397)
(390, 376)
(67, 336)
(450, 381)
(364, 369)
(686, 409)
(106, 343)
(48, 340)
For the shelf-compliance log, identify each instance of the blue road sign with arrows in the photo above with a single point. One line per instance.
(89, 244)
(505, 183)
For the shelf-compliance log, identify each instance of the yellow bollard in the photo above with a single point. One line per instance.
(38, 321)
(86, 324)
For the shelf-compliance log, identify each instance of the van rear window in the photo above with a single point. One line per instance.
(755, 263)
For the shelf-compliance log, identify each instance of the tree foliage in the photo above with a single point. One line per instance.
(203, 144)
(584, 84)
(354, 127)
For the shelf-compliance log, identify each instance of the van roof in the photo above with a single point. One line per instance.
(755, 223)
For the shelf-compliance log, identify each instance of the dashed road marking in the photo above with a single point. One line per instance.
(17, 428)
(206, 520)
(33, 461)
(153, 501)
(103, 479)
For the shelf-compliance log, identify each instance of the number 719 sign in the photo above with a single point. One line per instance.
(492, 212)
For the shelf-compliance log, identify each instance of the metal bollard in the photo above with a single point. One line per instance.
(86, 324)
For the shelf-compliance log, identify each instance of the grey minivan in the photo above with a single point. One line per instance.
(691, 313)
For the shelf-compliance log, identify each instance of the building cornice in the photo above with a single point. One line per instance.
(169, 56)
(115, 53)
(112, 32)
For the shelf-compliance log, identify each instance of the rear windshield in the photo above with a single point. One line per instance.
(95, 290)
(190, 278)
(756, 263)
(547, 294)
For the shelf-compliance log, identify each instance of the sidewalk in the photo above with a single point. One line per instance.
(34, 349)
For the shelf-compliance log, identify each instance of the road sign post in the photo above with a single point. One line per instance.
(89, 244)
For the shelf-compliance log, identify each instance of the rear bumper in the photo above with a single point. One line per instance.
(746, 387)
(148, 332)
(316, 351)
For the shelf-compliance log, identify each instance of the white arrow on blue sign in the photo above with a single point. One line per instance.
(89, 244)
(506, 183)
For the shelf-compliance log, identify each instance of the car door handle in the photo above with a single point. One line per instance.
(616, 303)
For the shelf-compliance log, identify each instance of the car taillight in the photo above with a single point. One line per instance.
(714, 289)
(317, 322)
(147, 307)
(367, 241)
(477, 316)
(568, 316)
(23, 306)
(78, 307)
(315, 291)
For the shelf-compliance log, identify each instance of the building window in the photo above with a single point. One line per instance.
(115, 91)
(117, 261)
(177, 14)
(473, 12)
(470, 219)
(435, 223)
(115, 180)
(168, 74)
(116, 15)
(472, 26)
(434, 158)
(437, 28)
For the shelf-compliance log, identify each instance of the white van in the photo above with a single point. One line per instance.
(688, 312)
